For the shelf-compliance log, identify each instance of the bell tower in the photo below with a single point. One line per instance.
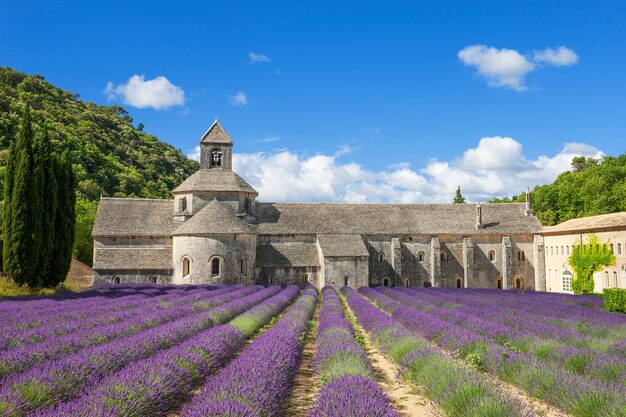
(216, 149)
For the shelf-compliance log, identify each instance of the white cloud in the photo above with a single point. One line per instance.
(496, 167)
(559, 57)
(158, 93)
(502, 67)
(508, 68)
(268, 139)
(256, 58)
(194, 154)
(239, 99)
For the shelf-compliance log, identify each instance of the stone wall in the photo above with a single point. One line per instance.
(230, 249)
(339, 269)
(300, 275)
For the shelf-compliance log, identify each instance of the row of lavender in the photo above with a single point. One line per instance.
(61, 379)
(575, 394)
(258, 382)
(33, 313)
(133, 321)
(460, 391)
(347, 386)
(549, 343)
(158, 385)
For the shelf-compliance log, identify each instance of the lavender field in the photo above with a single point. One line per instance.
(158, 350)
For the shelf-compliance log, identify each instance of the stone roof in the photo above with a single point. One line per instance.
(212, 180)
(132, 259)
(216, 134)
(215, 217)
(342, 245)
(134, 217)
(393, 219)
(603, 221)
(286, 254)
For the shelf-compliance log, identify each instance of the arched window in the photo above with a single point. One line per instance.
(386, 282)
(216, 157)
(458, 283)
(523, 256)
(499, 283)
(443, 255)
(420, 256)
(619, 248)
(186, 268)
(606, 279)
(346, 281)
(381, 257)
(243, 265)
(567, 250)
(407, 283)
(612, 249)
(615, 279)
(116, 279)
(519, 255)
(566, 278)
(492, 256)
(551, 250)
(518, 283)
(305, 278)
(215, 265)
(154, 279)
(270, 279)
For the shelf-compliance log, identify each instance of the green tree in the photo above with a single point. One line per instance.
(64, 224)
(46, 162)
(458, 197)
(21, 252)
(586, 259)
(85, 218)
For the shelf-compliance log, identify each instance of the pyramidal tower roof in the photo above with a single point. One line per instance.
(216, 134)
(215, 217)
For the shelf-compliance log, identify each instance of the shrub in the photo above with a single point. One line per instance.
(615, 300)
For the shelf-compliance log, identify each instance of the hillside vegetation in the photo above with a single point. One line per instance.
(110, 156)
(590, 188)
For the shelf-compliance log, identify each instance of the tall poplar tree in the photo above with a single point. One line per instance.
(21, 245)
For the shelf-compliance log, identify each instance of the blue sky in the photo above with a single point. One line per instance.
(349, 101)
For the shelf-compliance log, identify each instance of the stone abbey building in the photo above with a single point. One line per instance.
(214, 231)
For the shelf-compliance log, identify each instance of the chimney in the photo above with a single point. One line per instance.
(528, 211)
(479, 216)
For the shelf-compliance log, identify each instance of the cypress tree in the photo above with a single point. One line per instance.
(458, 197)
(65, 219)
(21, 245)
(46, 162)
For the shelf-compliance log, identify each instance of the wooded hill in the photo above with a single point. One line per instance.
(111, 157)
(590, 188)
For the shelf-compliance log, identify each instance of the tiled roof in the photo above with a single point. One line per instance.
(215, 217)
(216, 134)
(342, 245)
(132, 258)
(134, 217)
(602, 221)
(212, 180)
(287, 254)
(392, 219)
